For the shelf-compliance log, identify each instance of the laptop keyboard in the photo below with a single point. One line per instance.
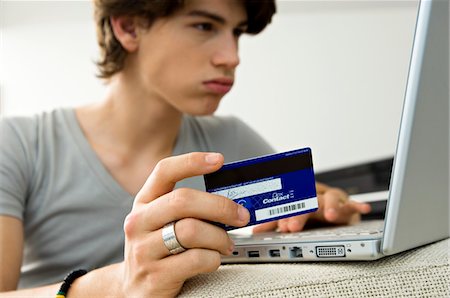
(364, 228)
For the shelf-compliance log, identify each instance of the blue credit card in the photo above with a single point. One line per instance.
(271, 187)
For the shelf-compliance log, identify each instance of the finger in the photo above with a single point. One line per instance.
(170, 170)
(177, 268)
(297, 223)
(192, 233)
(363, 208)
(321, 188)
(283, 225)
(350, 212)
(190, 203)
(265, 227)
(354, 207)
(333, 199)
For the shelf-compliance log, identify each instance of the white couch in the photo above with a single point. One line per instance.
(422, 272)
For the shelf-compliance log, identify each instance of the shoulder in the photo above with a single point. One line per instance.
(218, 130)
(17, 161)
(25, 135)
(26, 144)
(231, 136)
(215, 124)
(28, 128)
(17, 132)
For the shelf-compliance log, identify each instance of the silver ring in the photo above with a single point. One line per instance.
(170, 239)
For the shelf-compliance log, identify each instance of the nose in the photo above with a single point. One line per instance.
(227, 54)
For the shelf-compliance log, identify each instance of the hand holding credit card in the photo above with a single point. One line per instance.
(271, 187)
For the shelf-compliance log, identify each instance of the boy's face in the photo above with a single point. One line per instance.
(189, 59)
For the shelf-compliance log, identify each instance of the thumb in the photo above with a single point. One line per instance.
(170, 170)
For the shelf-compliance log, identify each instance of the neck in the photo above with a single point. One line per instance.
(128, 121)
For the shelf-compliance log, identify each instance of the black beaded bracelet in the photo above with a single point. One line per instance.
(70, 278)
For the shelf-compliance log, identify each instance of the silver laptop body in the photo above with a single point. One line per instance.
(418, 205)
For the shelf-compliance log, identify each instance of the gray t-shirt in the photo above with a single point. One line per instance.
(72, 208)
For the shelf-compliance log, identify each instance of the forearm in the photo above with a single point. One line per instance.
(47, 291)
(103, 282)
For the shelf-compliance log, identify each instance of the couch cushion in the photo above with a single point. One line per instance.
(422, 272)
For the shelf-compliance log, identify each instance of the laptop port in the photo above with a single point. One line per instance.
(274, 253)
(295, 252)
(330, 251)
(253, 253)
(235, 253)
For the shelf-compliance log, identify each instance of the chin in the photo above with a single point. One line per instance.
(206, 107)
(208, 112)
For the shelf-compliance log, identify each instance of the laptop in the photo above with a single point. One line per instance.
(417, 211)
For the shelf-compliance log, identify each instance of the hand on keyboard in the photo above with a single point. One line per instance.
(334, 208)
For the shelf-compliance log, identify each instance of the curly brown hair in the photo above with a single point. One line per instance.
(113, 55)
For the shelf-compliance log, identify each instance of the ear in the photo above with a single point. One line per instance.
(126, 31)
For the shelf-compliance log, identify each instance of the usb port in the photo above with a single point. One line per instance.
(274, 253)
(253, 253)
(295, 252)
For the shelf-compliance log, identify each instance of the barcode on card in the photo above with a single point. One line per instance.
(286, 209)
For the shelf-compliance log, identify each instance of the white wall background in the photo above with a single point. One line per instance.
(329, 75)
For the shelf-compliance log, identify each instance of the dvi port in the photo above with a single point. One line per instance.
(330, 251)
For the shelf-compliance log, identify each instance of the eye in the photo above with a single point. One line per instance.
(204, 26)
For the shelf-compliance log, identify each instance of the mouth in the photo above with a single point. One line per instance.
(219, 85)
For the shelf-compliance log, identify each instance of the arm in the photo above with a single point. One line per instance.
(11, 239)
(11, 250)
(148, 269)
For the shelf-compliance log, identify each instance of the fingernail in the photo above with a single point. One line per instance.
(231, 248)
(331, 212)
(212, 158)
(242, 213)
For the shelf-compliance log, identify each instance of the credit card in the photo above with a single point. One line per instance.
(271, 187)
